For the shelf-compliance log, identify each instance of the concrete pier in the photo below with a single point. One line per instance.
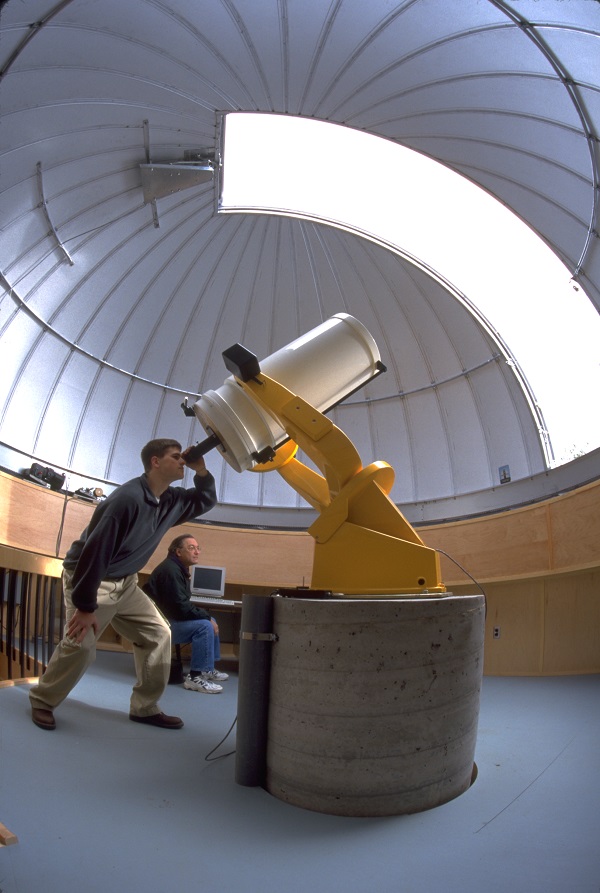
(374, 703)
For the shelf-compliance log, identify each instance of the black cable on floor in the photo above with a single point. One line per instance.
(223, 755)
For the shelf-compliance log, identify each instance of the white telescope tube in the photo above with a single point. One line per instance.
(323, 367)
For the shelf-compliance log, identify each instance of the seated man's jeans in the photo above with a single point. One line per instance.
(206, 648)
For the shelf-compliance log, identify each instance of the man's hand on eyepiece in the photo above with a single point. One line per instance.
(196, 463)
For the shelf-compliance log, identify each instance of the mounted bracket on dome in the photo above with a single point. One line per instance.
(266, 411)
(160, 180)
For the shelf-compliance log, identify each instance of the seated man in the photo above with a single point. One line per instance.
(169, 588)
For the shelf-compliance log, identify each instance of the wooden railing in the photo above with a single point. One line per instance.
(31, 613)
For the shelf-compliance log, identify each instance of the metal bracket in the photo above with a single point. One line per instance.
(259, 637)
(148, 161)
(45, 209)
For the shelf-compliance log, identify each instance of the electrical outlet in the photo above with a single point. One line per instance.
(496, 632)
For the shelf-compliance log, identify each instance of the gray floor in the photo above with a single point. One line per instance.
(103, 803)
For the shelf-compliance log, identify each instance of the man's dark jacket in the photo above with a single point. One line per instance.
(125, 530)
(169, 587)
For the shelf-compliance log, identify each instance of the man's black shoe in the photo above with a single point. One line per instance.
(44, 719)
(161, 720)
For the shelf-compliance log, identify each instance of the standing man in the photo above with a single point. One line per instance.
(100, 583)
(169, 587)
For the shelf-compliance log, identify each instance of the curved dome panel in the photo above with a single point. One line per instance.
(448, 412)
(114, 308)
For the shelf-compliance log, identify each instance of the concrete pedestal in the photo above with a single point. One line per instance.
(374, 703)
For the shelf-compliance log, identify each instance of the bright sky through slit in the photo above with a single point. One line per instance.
(403, 199)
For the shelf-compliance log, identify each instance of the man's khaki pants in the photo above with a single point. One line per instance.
(133, 616)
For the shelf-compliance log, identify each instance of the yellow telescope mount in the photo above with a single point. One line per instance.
(364, 546)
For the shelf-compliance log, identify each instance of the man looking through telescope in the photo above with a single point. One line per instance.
(100, 582)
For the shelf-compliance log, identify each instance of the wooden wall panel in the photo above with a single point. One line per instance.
(575, 526)
(557, 535)
(254, 557)
(37, 519)
(76, 516)
(517, 609)
(510, 544)
(29, 515)
(539, 566)
(572, 624)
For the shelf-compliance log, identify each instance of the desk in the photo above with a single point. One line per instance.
(217, 603)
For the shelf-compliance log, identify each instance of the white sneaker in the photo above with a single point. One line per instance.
(198, 683)
(215, 676)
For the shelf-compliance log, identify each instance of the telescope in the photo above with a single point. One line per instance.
(268, 410)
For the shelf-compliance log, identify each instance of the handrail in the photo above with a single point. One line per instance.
(32, 616)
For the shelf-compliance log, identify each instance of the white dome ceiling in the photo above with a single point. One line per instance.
(114, 310)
